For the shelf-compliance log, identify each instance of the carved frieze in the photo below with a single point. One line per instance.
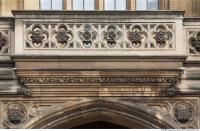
(101, 36)
(90, 80)
(126, 83)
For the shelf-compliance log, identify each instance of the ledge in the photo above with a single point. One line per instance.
(121, 14)
(191, 19)
(6, 18)
(132, 58)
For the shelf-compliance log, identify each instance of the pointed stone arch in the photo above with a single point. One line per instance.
(99, 110)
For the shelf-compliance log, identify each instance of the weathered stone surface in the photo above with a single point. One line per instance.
(47, 83)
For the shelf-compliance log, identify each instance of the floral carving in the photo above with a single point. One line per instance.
(4, 42)
(183, 112)
(135, 35)
(161, 36)
(195, 43)
(63, 35)
(36, 36)
(112, 35)
(88, 35)
(99, 36)
(16, 113)
(44, 80)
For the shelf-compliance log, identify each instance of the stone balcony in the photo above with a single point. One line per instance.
(99, 33)
(101, 50)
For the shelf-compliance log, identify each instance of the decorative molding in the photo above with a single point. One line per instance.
(172, 90)
(161, 83)
(99, 80)
(131, 36)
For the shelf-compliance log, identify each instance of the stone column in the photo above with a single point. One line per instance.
(1, 118)
(131, 4)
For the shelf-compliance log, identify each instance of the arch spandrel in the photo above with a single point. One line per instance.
(99, 110)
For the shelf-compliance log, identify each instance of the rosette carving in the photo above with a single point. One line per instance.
(16, 114)
(63, 35)
(183, 112)
(88, 35)
(194, 42)
(162, 36)
(136, 35)
(36, 36)
(111, 35)
(3, 43)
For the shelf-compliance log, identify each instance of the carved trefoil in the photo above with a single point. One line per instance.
(4, 42)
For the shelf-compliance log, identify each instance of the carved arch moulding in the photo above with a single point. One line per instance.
(100, 36)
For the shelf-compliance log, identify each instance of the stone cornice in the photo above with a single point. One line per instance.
(99, 14)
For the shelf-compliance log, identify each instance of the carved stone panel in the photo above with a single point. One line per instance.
(194, 41)
(16, 114)
(100, 36)
(157, 83)
(37, 36)
(175, 112)
(184, 113)
(4, 42)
